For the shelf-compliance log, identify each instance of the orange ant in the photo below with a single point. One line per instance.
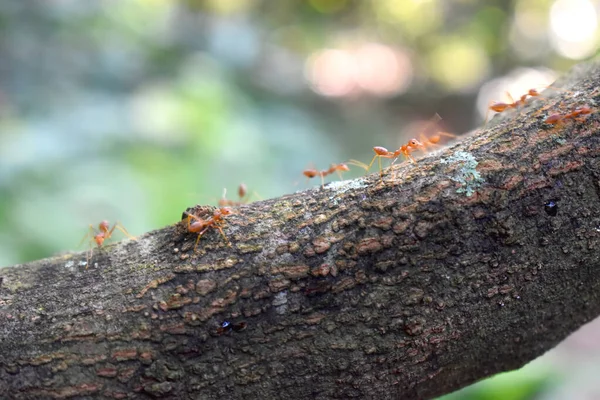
(242, 195)
(200, 225)
(414, 144)
(405, 150)
(557, 118)
(105, 233)
(499, 106)
(339, 168)
(382, 152)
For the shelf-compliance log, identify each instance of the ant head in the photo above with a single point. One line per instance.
(99, 239)
(415, 143)
(343, 167)
(223, 211)
(533, 92)
(103, 226)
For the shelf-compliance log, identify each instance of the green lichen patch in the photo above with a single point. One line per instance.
(466, 173)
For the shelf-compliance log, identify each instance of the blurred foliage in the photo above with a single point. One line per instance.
(133, 110)
(528, 383)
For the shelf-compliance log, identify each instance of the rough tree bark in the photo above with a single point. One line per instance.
(410, 288)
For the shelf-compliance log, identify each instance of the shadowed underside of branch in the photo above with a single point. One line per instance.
(476, 260)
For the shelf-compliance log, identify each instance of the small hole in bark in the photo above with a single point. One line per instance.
(551, 208)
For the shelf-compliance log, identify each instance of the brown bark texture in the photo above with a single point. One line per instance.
(475, 260)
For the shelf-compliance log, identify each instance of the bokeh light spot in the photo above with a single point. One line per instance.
(382, 71)
(458, 64)
(414, 17)
(328, 6)
(331, 72)
(228, 6)
(371, 67)
(573, 28)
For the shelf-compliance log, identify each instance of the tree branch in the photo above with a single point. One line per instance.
(474, 261)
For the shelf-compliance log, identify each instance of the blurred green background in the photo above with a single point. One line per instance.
(133, 110)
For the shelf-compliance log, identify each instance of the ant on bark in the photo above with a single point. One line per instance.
(382, 152)
(201, 225)
(339, 168)
(499, 106)
(242, 195)
(405, 150)
(104, 233)
(558, 118)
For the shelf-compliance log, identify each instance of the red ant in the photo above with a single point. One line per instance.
(242, 195)
(339, 168)
(499, 107)
(557, 118)
(382, 152)
(200, 225)
(425, 142)
(105, 233)
(405, 150)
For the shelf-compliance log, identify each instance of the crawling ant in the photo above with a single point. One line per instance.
(227, 327)
(499, 106)
(382, 152)
(242, 195)
(339, 168)
(414, 144)
(406, 149)
(201, 225)
(521, 101)
(557, 118)
(104, 233)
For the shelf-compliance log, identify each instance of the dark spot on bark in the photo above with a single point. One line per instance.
(551, 208)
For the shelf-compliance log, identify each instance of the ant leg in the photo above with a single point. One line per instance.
(199, 236)
(89, 257)
(372, 161)
(250, 195)
(189, 219)
(487, 113)
(89, 234)
(360, 164)
(120, 227)
(223, 234)
(512, 101)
